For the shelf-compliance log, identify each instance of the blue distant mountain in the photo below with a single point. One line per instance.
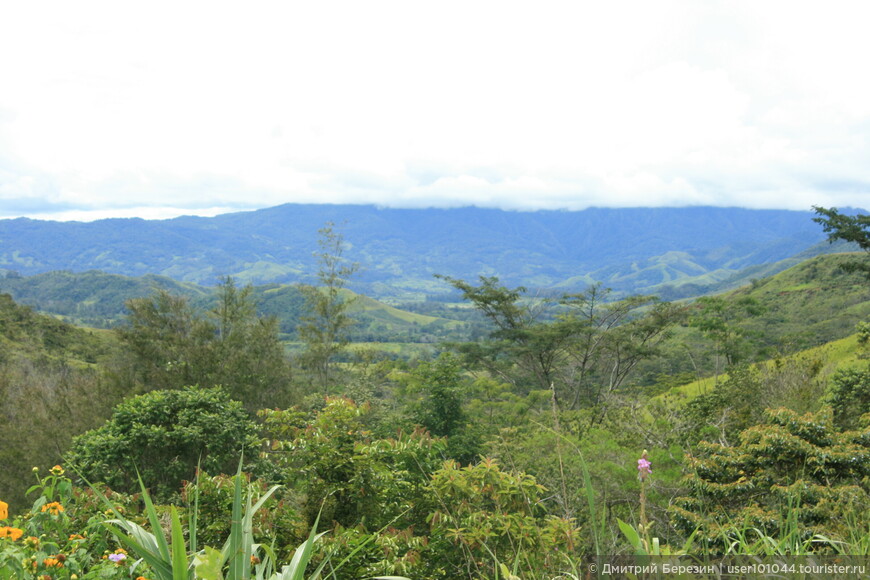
(400, 250)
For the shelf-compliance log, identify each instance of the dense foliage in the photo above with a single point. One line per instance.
(573, 425)
(164, 436)
(792, 475)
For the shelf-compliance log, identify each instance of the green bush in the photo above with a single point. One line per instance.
(849, 396)
(347, 474)
(795, 478)
(164, 435)
(483, 516)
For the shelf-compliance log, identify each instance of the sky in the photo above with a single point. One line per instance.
(157, 109)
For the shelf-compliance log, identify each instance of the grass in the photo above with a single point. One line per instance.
(839, 354)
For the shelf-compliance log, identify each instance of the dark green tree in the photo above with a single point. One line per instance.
(325, 326)
(164, 435)
(248, 357)
(168, 341)
(173, 345)
(849, 228)
(522, 350)
(440, 387)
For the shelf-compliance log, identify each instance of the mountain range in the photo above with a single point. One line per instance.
(401, 250)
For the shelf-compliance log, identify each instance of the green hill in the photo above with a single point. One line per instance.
(28, 335)
(837, 354)
(90, 298)
(809, 304)
(52, 386)
(815, 304)
(97, 299)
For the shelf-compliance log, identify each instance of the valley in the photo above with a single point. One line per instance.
(434, 426)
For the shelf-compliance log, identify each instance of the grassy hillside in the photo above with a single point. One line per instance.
(810, 304)
(808, 310)
(838, 354)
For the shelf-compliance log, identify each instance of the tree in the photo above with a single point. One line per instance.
(519, 341)
(164, 436)
(349, 476)
(718, 319)
(849, 396)
(168, 341)
(325, 327)
(609, 340)
(439, 384)
(580, 347)
(174, 346)
(248, 357)
(855, 229)
(483, 515)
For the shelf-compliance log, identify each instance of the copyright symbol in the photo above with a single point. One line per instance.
(593, 568)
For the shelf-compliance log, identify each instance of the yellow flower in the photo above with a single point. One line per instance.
(54, 508)
(7, 532)
(57, 470)
(4, 510)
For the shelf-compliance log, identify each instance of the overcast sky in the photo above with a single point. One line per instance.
(156, 109)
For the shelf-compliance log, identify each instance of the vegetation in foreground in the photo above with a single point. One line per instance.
(557, 436)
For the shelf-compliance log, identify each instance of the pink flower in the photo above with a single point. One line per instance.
(644, 467)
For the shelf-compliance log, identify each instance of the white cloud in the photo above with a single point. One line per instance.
(195, 106)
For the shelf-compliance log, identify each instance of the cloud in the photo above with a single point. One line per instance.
(561, 104)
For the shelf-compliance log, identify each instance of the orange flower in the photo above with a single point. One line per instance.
(54, 508)
(4, 510)
(52, 562)
(57, 470)
(7, 532)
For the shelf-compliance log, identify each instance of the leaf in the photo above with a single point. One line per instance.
(208, 564)
(633, 537)
(180, 568)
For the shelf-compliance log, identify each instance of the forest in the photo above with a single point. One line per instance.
(493, 432)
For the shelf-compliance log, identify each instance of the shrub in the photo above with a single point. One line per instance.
(164, 435)
(849, 396)
(483, 516)
(794, 475)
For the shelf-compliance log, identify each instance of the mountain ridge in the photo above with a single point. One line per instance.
(402, 249)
